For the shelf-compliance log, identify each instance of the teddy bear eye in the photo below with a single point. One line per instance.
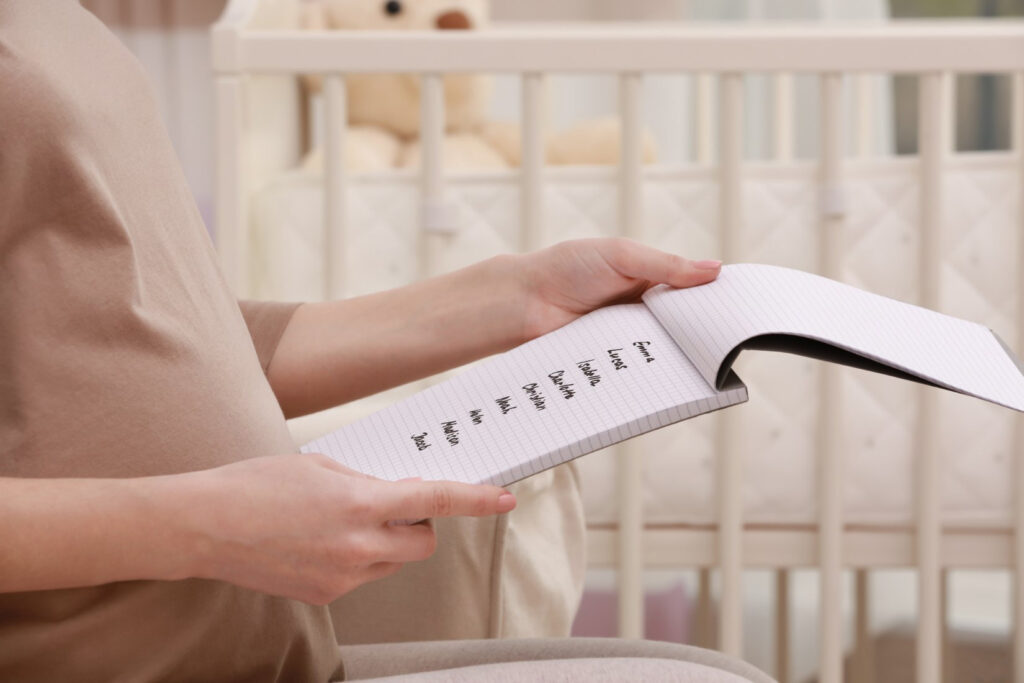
(393, 8)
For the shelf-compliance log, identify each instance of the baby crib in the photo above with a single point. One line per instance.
(941, 228)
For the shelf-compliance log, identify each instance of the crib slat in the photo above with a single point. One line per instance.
(730, 470)
(1017, 114)
(336, 239)
(782, 99)
(631, 171)
(935, 124)
(830, 466)
(866, 133)
(630, 458)
(231, 213)
(705, 118)
(532, 193)
(435, 216)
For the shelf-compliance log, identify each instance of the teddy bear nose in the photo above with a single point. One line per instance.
(454, 20)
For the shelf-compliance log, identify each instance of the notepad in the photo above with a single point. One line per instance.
(625, 370)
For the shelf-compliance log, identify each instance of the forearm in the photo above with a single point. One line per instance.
(339, 351)
(65, 533)
(300, 526)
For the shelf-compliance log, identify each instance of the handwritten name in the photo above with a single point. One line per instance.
(477, 416)
(642, 346)
(558, 379)
(451, 432)
(588, 370)
(421, 442)
(505, 405)
(534, 395)
(616, 357)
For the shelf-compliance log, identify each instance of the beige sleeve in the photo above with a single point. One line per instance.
(267, 321)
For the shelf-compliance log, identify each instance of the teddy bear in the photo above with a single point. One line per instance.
(384, 109)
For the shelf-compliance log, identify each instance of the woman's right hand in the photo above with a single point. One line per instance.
(307, 528)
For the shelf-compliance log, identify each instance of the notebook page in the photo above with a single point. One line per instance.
(602, 379)
(748, 301)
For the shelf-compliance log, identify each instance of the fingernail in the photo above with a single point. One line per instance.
(707, 265)
(506, 502)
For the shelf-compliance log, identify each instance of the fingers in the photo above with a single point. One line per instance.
(414, 499)
(641, 262)
(328, 463)
(408, 543)
(379, 571)
(425, 500)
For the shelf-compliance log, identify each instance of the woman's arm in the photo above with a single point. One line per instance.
(299, 526)
(339, 351)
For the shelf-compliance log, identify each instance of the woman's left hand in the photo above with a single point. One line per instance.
(571, 279)
(388, 339)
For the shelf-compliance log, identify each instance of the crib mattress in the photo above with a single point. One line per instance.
(775, 431)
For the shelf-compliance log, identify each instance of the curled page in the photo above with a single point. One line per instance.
(768, 307)
(604, 378)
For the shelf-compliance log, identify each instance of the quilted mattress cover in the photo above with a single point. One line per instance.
(777, 427)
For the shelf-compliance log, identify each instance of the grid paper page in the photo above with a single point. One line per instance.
(749, 301)
(604, 378)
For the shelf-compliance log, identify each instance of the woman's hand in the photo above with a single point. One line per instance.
(339, 351)
(299, 526)
(305, 527)
(571, 279)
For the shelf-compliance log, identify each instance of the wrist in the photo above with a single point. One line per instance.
(503, 285)
(529, 312)
(169, 511)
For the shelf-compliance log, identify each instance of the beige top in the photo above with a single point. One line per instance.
(123, 354)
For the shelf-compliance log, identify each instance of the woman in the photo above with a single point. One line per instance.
(155, 523)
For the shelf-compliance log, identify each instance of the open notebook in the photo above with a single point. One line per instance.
(626, 370)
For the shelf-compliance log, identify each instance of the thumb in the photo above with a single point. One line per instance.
(686, 273)
(641, 262)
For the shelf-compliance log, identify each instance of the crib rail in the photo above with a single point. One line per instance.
(913, 47)
(719, 58)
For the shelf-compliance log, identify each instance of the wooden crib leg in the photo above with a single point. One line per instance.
(947, 643)
(782, 618)
(704, 628)
(863, 662)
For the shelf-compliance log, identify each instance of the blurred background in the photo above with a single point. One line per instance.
(171, 39)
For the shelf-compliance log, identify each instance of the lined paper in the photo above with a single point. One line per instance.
(749, 301)
(604, 378)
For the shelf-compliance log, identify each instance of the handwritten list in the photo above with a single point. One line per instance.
(604, 378)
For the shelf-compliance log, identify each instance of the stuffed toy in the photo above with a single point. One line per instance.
(384, 109)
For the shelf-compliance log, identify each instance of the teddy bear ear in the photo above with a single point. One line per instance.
(314, 15)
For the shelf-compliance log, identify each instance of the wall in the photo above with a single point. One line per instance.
(170, 38)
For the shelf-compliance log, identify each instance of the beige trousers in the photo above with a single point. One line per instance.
(517, 576)
(522, 661)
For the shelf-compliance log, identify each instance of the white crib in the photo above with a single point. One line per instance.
(259, 108)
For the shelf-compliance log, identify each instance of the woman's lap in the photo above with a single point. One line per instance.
(544, 659)
(611, 669)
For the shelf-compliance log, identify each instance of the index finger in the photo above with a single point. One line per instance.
(426, 500)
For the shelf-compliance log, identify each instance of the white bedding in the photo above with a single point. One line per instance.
(778, 425)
